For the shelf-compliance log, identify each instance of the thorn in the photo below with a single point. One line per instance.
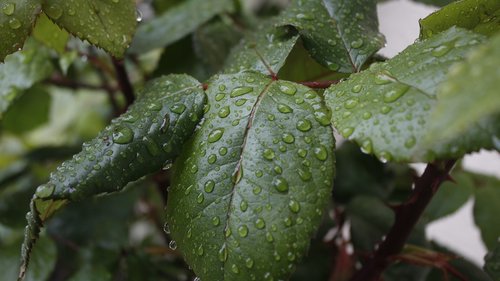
(205, 86)
(448, 177)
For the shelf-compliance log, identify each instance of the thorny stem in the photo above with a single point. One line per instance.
(124, 81)
(407, 216)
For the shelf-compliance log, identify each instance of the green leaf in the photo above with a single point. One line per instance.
(21, 71)
(30, 111)
(259, 171)
(50, 34)
(485, 209)
(482, 16)
(386, 108)
(43, 260)
(141, 141)
(264, 49)
(107, 24)
(450, 196)
(16, 22)
(469, 96)
(339, 34)
(492, 262)
(439, 3)
(176, 23)
(14, 199)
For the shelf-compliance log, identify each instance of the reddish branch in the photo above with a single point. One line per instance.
(407, 216)
(124, 81)
(319, 84)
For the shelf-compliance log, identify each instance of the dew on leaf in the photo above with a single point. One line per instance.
(304, 125)
(240, 91)
(122, 135)
(395, 93)
(280, 184)
(243, 231)
(215, 135)
(294, 206)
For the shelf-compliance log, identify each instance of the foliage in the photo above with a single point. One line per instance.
(226, 172)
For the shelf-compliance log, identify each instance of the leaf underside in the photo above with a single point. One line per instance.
(109, 25)
(16, 22)
(340, 35)
(141, 141)
(259, 171)
(386, 108)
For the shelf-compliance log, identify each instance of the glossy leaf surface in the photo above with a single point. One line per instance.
(470, 95)
(340, 34)
(386, 108)
(259, 171)
(482, 16)
(106, 24)
(17, 18)
(176, 23)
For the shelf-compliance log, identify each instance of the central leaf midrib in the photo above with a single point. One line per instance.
(238, 167)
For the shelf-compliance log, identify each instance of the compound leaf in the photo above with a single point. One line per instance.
(176, 23)
(340, 34)
(107, 24)
(259, 171)
(385, 109)
(141, 141)
(469, 95)
(482, 16)
(16, 22)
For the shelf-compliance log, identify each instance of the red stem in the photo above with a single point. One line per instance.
(124, 81)
(319, 84)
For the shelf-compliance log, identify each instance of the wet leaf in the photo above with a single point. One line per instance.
(386, 108)
(109, 25)
(469, 95)
(176, 23)
(482, 16)
(17, 18)
(259, 171)
(339, 34)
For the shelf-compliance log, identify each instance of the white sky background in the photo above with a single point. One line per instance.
(399, 23)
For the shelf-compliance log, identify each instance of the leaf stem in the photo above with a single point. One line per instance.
(124, 81)
(319, 84)
(407, 216)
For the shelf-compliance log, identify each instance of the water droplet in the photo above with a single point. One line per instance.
(200, 251)
(321, 153)
(269, 237)
(178, 108)
(385, 156)
(304, 125)
(385, 109)
(302, 152)
(215, 221)
(151, 146)
(269, 154)
(165, 124)
(440, 50)
(260, 223)
(209, 186)
(357, 88)
(294, 206)
(257, 190)
(240, 91)
(172, 245)
(235, 269)
(138, 15)
(166, 228)
(224, 112)
(288, 138)
(280, 184)
(304, 16)
(347, 132)
(283, 108)
(259, 173)
(45, 190)
(200, 198)
(395, 93)
(288, 89)
(243, 206)
(382, 79)
(130, 117)
(322, 117)
(219, 96)
(223, 151)
(305, 175)
(249, 263)
(223, 254)
(366, 146)
(243, 231)
(356, 44)
(351, 103)
(14, 23)
(288, 222)
(122, 134)
(9, 9)
(215, 135)
(54, 12)
(212, 159)
(367, 115)
(410, 142)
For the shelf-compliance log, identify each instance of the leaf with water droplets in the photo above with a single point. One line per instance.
(469, 96)
(256, 176)
(21, 71)
(137, 143)
(340, 34)
(386, 108)
(17, 18)
(482, 16)
(264, 49)
(107, 24)
(492, 262)
(176, 23)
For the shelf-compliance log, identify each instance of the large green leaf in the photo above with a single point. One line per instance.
(386, 108)
(482, 16)
(21, 71)
(141, 141)
(469, 95)
(50, 34)
(259, 171)
(107, 24)
(492, 262)
(340, 34)
(265, 49)
(176, 23)
(17, 18)
(485, 209)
